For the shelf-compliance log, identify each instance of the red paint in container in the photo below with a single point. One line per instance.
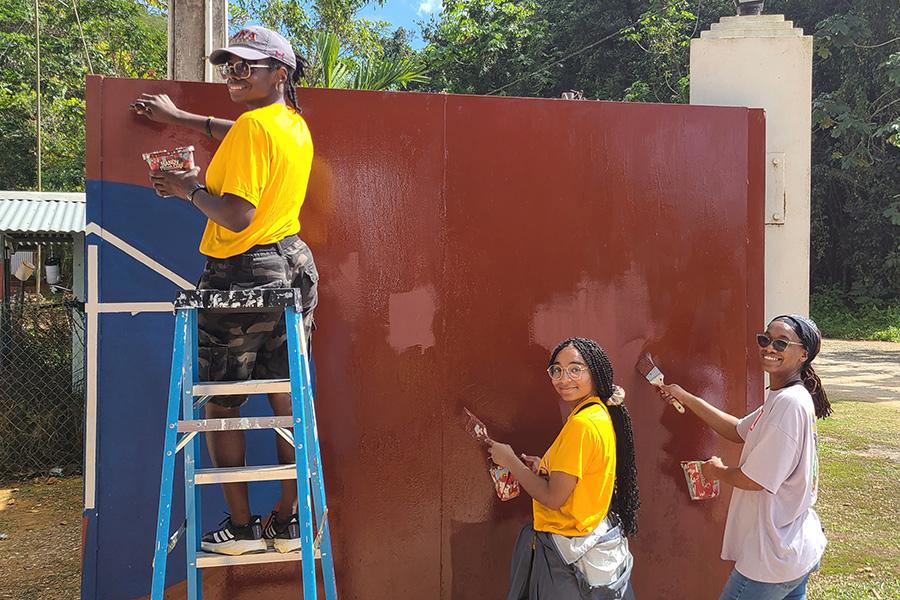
(698, 486)
(505, 483)
(179, 159)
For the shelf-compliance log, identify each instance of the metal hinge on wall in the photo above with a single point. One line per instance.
(775, 195)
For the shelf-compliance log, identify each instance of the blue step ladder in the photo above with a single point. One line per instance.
(299, 430)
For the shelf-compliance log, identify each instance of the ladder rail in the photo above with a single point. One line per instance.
(299, 429)
(300, 395)
(192, 507)
(168, 463)
(317, 481)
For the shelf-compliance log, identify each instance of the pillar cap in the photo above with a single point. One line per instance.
(757, 26)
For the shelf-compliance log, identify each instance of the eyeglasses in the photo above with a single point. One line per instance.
(239, 70)
(779, 345)
(573, 371)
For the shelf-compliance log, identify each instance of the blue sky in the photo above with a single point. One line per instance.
(403, 13)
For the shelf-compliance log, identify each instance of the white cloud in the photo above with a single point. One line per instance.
(428, 7)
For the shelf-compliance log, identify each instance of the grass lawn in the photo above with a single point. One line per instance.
(859, 502)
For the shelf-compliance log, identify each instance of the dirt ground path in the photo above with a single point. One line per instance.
(40, 555)
(863, 371)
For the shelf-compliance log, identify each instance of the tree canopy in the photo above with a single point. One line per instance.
(638, 50)
(631, 50)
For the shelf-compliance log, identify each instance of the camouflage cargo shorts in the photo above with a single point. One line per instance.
(241, 346)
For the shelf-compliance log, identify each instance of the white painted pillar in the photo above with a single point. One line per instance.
(765, 62)
(196, 28)
(78, 329)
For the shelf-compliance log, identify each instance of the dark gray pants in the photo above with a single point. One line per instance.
(540, 573)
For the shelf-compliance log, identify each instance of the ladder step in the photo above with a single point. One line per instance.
(234, 388)
(236, 474)
(240, 423)
(208, 559)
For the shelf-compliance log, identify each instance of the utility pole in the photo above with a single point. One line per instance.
(37, 35)
(196, 28)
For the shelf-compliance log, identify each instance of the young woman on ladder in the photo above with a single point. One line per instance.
(253, 191)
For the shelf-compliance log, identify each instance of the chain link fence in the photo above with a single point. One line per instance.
(42, 386)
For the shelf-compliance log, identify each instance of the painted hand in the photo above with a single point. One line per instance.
(712, 468)
(156, 107)
(174, 183)
(502, 454)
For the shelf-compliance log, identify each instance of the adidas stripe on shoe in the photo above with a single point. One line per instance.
(285, 536)
(235, 540)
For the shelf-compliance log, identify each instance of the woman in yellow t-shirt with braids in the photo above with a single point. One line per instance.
(254, 188)
(585, 492)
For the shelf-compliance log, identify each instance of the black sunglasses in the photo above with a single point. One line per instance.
(778, 345)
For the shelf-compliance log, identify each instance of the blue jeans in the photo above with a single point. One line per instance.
(739, 587)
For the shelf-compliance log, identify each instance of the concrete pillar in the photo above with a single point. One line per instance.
(196, 28)
(765, 62)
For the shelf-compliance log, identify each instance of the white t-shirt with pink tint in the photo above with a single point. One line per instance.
(774, 535)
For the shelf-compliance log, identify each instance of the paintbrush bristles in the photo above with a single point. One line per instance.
(475, 427)
(649, 370)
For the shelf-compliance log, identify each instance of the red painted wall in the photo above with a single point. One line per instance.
(459, 239)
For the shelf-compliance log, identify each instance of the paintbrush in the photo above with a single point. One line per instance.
(475, 427)
(651, 372)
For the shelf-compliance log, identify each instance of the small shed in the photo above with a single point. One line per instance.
(37, 225)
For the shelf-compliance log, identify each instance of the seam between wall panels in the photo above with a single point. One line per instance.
(443, 326)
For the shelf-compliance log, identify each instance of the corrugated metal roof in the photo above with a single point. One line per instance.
(41, 212)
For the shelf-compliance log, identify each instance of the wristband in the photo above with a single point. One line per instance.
(191, 193)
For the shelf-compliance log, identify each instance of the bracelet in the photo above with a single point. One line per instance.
(209, 127)
(191, 193)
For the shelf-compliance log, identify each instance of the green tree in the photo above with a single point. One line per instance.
(479, 46)
(358, 39)
(329, 69)
(639, 50)
(856, 150)
(344, 51)
(127, 38)
(122, 38)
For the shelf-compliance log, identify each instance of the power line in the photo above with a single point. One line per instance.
(87, 54)
(37, 37)
(586, 48)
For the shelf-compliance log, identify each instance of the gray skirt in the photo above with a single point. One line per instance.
(540, 573)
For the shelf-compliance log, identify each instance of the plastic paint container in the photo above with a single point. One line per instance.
(699, 488)
(505, 483)
(179, 159)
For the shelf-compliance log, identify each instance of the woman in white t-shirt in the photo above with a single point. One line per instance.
(772, 532)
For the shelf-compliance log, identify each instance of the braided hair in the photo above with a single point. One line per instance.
(294, 76)
(626, 498)
(811, 338)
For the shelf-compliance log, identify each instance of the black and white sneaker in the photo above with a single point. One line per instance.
(285, 536)
(235, 540)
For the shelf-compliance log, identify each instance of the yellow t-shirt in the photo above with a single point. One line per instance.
(265, 159)
(585, 448)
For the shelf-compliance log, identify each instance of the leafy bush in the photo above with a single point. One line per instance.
(869, 320)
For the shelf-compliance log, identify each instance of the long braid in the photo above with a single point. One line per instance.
(811, 338)
(294, 76)
(813, 385)
(626, 496)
